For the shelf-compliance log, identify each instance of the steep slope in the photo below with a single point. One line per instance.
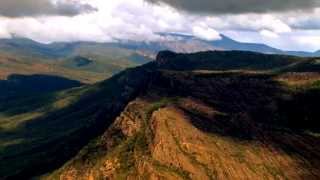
(41, 132)
(202, 126)
(208, 125)
(190, 116)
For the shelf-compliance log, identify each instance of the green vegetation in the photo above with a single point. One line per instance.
(227, 114)
(163, 102)
(316, 85)
(85, 62)
(227, 60)
(56, 134)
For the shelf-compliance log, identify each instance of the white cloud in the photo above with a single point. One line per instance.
(249, 22)
(269, 34)
(309, 41)
(4, 33)
(138, 20)
(301, 40)
(205, 33)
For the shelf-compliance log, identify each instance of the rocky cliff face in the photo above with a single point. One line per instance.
(171, 144)
(209, 115)
(202, 125)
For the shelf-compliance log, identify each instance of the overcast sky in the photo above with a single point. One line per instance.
(285, 24)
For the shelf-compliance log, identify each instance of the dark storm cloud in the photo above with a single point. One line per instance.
(239, 6)
(18, 8)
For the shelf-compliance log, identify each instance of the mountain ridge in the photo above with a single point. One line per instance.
(171, 41)
(229, 95)
(201, 124)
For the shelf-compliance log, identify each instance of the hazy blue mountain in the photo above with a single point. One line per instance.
(25, 47)
(173, 42)
(134, 50)
(301, 53)
(226, 43)
(183, 43)
(230, 44)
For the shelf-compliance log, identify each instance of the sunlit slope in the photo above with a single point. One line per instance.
(12, 66)
(208, 125)
(196, 107)
(39, 133)
(83, 61)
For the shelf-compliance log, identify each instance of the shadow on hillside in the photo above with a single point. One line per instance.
(56, 137)
(247, 100)
(255, 97)
(25, 85)
(253, 108)
(25, 93)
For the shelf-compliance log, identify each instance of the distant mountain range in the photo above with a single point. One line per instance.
(82, 61)
(188, 44)
(89, 62)
(169, 41)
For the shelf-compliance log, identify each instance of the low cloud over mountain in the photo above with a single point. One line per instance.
(284, 24)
